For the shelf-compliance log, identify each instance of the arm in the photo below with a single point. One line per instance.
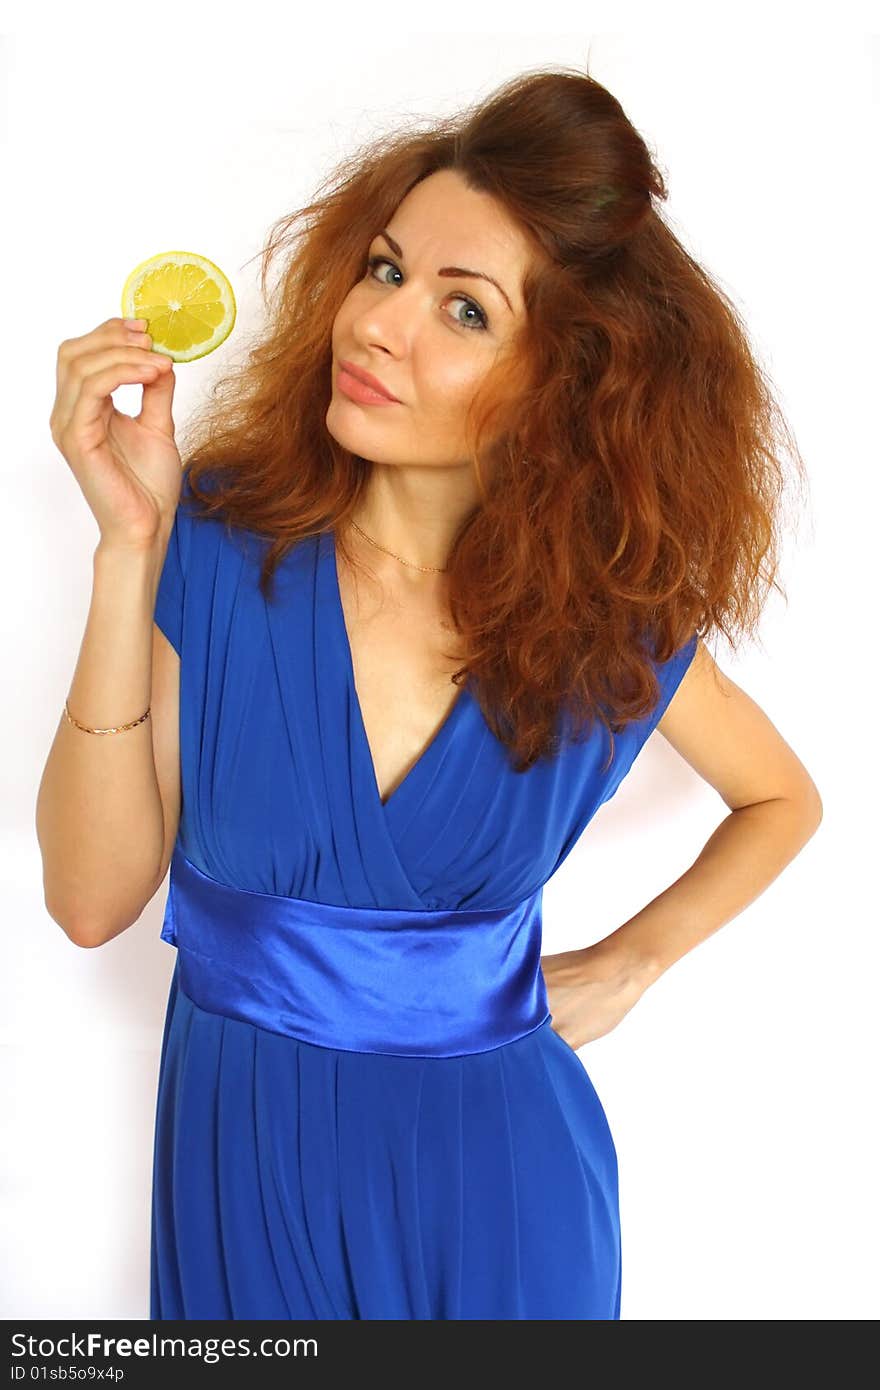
(775, 808)
(108, 804)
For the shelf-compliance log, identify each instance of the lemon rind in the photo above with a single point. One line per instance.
(227, 299)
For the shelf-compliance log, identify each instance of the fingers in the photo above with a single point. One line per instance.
(90, 368)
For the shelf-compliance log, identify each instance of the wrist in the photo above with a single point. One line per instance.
(119, 563)
(113, 551)
(620, 960)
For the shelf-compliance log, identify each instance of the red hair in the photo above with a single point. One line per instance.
(626, 444)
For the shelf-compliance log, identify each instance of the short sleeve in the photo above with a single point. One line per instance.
(670, 674)
(168, 612)
(630, 742)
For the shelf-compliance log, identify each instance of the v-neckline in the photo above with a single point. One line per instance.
(442, 733)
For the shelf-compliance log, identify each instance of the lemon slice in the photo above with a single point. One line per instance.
(187, 301)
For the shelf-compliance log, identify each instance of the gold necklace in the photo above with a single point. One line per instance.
(434, 569)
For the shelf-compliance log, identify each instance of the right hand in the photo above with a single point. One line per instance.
(128, 467)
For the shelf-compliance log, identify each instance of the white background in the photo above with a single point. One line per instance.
(741, 1090)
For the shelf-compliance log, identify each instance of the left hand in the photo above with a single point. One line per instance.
(589, 991)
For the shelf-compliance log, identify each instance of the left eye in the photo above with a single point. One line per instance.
(481, 323)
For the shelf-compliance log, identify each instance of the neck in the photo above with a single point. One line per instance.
(415, 513)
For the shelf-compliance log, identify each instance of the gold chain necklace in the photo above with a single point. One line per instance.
(434, 569)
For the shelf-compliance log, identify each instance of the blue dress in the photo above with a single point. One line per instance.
(450, 1176)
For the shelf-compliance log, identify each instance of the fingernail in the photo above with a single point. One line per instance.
(135, 323)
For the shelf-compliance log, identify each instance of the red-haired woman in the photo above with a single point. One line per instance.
(443, 559)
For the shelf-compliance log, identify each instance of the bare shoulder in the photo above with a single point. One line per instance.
(728, 739)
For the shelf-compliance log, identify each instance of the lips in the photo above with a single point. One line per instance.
(368, 379)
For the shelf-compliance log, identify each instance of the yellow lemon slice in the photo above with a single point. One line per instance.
(187, 301)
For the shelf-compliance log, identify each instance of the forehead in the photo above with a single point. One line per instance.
(443, 222)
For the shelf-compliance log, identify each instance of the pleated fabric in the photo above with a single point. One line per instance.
(296, 1180)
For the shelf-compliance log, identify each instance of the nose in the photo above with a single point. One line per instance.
(388, 321)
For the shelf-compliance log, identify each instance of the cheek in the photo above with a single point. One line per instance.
(347, 313)
(340, 323)
(445, 381)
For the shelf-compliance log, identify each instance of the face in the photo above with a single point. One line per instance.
(429, 338)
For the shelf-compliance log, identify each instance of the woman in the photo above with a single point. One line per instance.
(440, 565)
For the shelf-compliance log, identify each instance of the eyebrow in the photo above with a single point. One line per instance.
(455, 271)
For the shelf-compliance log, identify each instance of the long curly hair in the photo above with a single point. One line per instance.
(627, 445)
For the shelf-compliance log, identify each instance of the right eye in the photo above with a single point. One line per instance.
(481, 322)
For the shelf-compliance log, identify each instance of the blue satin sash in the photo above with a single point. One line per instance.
(409, 983)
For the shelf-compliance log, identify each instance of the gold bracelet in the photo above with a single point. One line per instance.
(85, 728)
